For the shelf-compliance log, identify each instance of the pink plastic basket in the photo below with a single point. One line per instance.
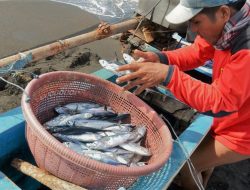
(62, 87)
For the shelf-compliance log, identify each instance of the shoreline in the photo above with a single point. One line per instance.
(29, 24)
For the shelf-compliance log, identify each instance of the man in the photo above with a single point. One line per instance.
(223, 36)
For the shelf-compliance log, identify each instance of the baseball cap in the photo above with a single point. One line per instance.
(187, 9)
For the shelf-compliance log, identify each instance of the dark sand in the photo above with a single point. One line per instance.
(30, 23)
(26, 24)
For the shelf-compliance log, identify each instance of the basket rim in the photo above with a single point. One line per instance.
(46, 138)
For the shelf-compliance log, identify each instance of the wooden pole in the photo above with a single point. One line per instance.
(43, 177)
(103, 31)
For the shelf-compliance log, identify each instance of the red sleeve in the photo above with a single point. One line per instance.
(190, 57)
(225, 94)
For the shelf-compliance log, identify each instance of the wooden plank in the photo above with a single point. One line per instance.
(43, 176)
(103, 31)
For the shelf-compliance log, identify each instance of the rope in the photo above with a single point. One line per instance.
(189, 162)
(17, 86)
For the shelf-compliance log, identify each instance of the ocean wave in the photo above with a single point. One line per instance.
(106, 10)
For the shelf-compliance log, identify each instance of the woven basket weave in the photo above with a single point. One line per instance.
(61, 87)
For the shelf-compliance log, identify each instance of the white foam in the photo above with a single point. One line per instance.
(107, 10)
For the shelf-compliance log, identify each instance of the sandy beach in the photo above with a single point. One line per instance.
(31, 23)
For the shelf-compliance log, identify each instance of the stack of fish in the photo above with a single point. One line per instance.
(99, 133)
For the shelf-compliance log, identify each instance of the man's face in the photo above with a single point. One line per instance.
(208, 28)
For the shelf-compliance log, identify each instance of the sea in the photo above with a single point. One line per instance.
(111, 11)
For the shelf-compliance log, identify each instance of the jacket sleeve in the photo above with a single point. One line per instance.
(190, 57)
(224, 96)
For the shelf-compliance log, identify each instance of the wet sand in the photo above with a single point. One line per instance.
(27, 24)
(30, 23)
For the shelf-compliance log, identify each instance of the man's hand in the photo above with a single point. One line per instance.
(143, 74)
(147, 56)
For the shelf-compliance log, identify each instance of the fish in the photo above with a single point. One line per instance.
(95, 124)
(118, 151)
(62, 120)
(112, 66)
(71, 130)
(108, 158)
(136, 158)
(96, 112)
(140, 164)
(107, 133)
(136, 148)
(129, 59)
(140, 132)
(77, 147)
(75, 108)
(74, 131)
(101, 112)
(120, 158)
(110, 141)
(119, 128)
(120, 117)
(99, 133)
(85, 137)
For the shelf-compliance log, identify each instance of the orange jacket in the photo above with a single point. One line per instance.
(227, 99)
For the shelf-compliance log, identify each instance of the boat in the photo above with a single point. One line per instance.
(14, 145)
(12, 134)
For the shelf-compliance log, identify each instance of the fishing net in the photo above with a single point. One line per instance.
(61, 87)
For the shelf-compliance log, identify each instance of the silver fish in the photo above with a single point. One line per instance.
(119, 158)
(110, 141)
(126, 157)
(140, 131)
(112, 66)
(85, 123)
(77, 147)
(62, 120)
(102, 111)
(120, 128)
(136, 148)
(129, 59)
(138, 164)
(107, 133)
(103, 157)
(85, 137)
(136, 158)
(75, 108)
(120, 117)
(118, 151)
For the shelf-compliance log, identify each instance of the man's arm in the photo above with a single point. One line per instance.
(224, 96)
(190, 57)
